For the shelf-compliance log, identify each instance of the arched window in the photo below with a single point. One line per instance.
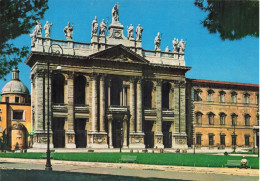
(147, 94)
(211, 118)
(222, 118)
(247, 119)
(233, 119)
(79, 89)
(210, 95)
(166, 87)
(246, 98)
(198, 117)
(222, 96)
(233, 97)
(197, 95)
(58, 81)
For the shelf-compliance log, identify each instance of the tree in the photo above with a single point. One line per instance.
(17, 17)
(233, 19)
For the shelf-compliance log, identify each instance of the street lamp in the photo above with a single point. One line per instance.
(48, 165)
(121, 139)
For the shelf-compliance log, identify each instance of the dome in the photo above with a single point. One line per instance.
(15, 86)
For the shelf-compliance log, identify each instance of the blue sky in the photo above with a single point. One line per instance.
(209, 57)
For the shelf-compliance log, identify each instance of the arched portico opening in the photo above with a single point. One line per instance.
(147, 94)
(58, 81)
(79, 90)
(116, 92)
(166, 87)
(58, 132)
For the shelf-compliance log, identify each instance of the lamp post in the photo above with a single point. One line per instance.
(48, 165)
(235, 139)
(121, 139)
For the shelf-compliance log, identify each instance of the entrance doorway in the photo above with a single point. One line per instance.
(58, 132)
(117, 134)
(80, 137)
(167, 135)
(149, 134)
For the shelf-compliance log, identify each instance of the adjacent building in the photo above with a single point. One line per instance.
(222, 114)
(15, 113)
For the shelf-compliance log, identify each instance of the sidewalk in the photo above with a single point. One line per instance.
(203, 170)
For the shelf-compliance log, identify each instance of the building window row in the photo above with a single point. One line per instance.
(222, 139)
(222, 118)
(222, 95)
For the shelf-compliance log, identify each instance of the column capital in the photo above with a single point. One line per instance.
(102, 76)
(125, 117)
(158, 82)
(110, 117)
(71, 75)
(93, 76)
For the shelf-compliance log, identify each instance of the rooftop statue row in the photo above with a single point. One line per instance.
(103, 29)
(177, 46)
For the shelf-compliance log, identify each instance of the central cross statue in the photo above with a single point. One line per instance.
(115, 13)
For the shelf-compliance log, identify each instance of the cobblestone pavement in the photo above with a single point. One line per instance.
(134, 171)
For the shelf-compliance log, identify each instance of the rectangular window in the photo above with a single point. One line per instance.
(211, 139)
(210, 97)
(233, 119)
(211, 119)
(221, 98)
(7, 99)
(0, 110)
(222, 139)
(0, 118)
(246, 98)
(18, 114)
(222, 119)
(234, 140)
(247, 120)
(233, 98)
(198, 139)
(247, 140)
(198, 118)
(16, 99)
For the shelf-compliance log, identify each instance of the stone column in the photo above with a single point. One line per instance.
(139, 109)
(158, 134)
(108, 92)
(125, 131)
(132, 106)
(179, 136)
(136, 138)
(102, 104)
(94, 104)
(70, 133)
(110, 119)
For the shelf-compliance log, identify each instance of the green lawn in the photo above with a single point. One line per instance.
(144, 158)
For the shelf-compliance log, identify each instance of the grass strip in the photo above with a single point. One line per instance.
(199, 160)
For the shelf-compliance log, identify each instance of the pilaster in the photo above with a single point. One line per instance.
(70, 133)
(158, 139)
(132, 106)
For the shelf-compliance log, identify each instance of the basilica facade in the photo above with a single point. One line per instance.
(108, 93)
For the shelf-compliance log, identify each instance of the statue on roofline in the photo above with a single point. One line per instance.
(68, 30)
(47, 28)
(103, 27)
(157, 42)
(94, 27)
(175, 45)
(130, 34)
(115, 13)
(182, 46)
(139, 31)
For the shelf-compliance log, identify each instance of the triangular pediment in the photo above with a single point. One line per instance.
(119, 53)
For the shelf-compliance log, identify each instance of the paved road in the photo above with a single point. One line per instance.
(34, 170)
